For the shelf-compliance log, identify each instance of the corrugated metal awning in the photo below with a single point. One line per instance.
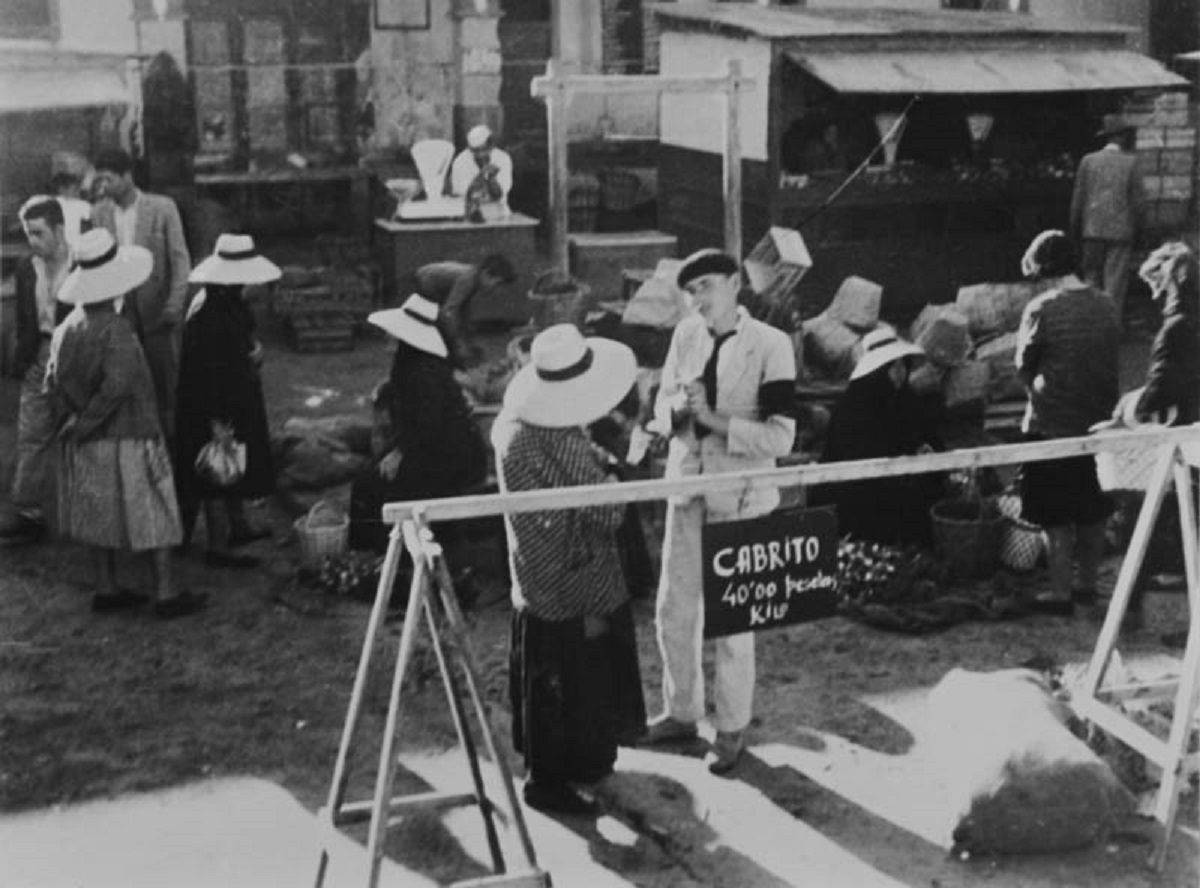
(986, 71)
(40, 88)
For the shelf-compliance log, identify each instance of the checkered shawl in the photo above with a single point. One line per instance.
(565, 562)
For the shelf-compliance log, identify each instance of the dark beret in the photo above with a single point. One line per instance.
(705, 262)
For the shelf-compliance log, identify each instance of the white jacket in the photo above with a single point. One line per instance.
(757, 353)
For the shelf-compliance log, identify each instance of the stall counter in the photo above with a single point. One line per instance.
(403, 247)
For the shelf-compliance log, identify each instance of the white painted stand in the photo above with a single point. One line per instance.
(429, 573)
(1097, 704)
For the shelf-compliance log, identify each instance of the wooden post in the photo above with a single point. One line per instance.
(556, 149)
(732, 170)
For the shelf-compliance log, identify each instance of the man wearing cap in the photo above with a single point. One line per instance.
(135, 217)
(484, 169)
(1106, 209)
(728, 385)
(39, 277)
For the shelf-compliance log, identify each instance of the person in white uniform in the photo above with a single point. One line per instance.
(483, 169)
(728, 386)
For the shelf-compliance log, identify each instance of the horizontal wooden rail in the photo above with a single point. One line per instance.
(811, 473)
(635, 84)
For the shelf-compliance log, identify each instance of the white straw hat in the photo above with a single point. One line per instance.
(235, 260)
(570, 380)
(104, 270)
(879, 348)
(415, 322)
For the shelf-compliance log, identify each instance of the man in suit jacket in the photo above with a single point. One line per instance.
(1106, 209)
(156, 307)
(39, 277)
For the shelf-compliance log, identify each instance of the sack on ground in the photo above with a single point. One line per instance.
(1017, 780)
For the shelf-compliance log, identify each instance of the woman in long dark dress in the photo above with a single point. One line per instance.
(433, 447)
(220, 391)
(574, 681)
(880, 415)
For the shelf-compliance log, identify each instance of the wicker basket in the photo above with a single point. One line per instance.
(558, 299)
(967, 535)
(1021, 544)
(322, 532)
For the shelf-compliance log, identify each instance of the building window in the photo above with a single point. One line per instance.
(29, 19)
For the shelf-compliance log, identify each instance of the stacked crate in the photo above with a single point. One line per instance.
(1166, 148)
(322, 309)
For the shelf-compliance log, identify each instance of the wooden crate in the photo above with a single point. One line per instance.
(321, 331)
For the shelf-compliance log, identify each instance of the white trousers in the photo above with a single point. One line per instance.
(679, 615)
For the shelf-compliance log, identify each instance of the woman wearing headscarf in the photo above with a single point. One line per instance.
(1171, 394)
(220, 394)
(1067, 349)
(431, 446)
(880, 415)
(115, 489)
(574, 681)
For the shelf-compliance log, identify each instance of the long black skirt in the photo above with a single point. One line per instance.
(574, 699)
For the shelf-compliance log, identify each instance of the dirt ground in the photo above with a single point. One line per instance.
(96, 706)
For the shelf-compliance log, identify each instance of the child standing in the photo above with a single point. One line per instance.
(116, 491)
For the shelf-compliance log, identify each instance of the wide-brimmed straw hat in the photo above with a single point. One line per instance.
(104, 270)
(235, 260)
(879, 348)
(415, 322)
(570, 380)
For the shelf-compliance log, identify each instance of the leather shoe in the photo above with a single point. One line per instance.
(180, 605)
(726, 751)
(668, 729)
(558, 799)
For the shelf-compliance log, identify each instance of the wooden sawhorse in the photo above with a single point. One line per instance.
(429, 572)
(1096, 705)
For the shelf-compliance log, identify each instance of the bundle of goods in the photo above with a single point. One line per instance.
(994, 308)
(905, 590)
(856, 304)
(1022, 543)
(830, 346)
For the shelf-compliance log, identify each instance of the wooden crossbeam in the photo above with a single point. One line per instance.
(811, 473)
(637, 84)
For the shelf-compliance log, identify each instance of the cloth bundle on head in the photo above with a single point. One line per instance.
(235, 260)
(570, 380)
(415, 322)
(702, 262)
(104, 270)
(879, 348)
(479, 136)
(1173, 259)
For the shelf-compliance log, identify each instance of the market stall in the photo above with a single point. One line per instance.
(967, 128)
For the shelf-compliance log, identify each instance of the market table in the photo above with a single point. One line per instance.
(403, 247)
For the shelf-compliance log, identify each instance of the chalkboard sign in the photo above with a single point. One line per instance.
(771, 571)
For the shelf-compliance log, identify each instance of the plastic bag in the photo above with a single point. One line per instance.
(222, 461)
